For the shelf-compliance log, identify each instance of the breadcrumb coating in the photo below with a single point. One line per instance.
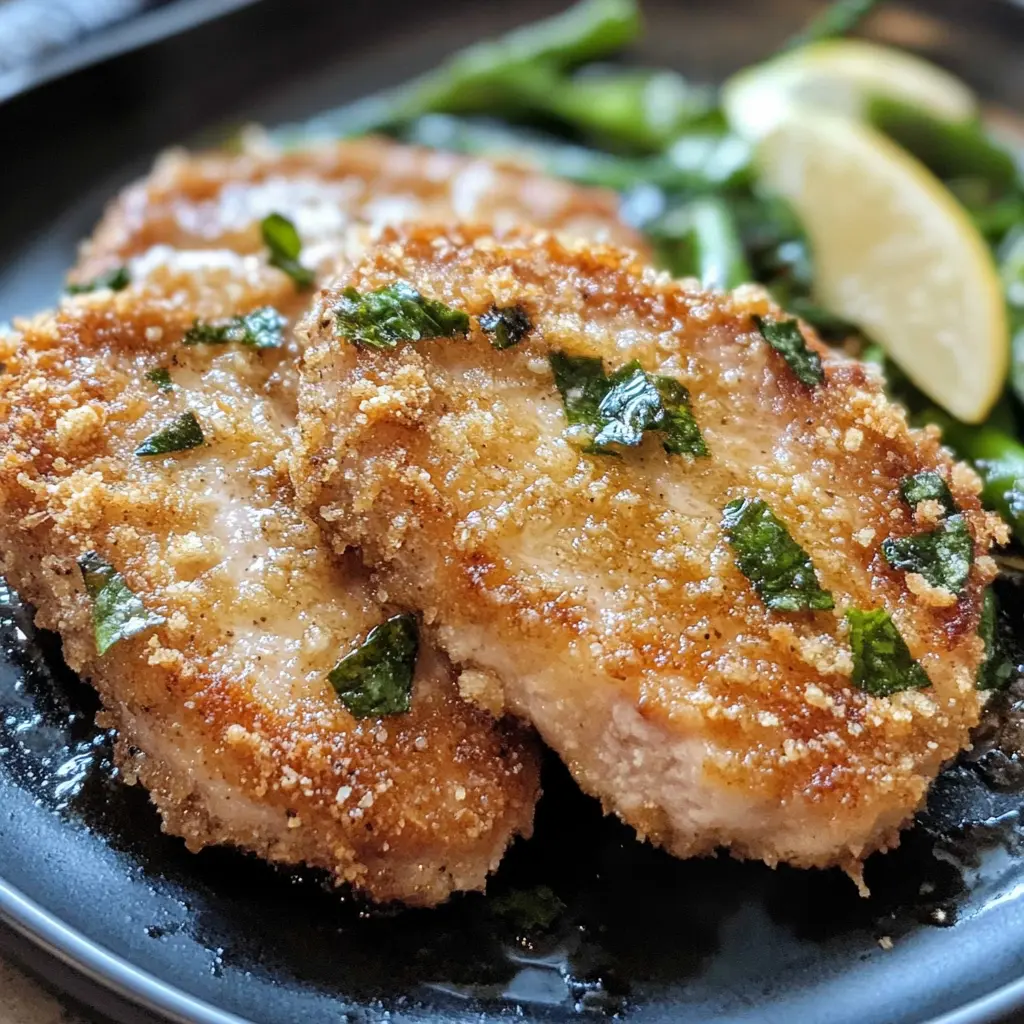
(600, 591)
(224, 711)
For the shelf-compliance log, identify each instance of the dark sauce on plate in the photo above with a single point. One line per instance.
(576, 919)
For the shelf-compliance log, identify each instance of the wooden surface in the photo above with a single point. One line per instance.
(22, 1001)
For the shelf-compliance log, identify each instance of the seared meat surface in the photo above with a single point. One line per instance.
(616, 593)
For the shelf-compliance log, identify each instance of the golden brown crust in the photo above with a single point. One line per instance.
(224, 712)
(216, 199)
(606, 585)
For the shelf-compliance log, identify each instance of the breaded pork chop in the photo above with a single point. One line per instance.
(216, 200)
(223, 711)
(684, 590)
(222, 702)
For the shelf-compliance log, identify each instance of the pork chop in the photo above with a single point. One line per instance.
(224, 708)
(700, 552)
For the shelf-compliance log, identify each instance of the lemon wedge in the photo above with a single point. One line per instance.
(895, 254)
(841, 76)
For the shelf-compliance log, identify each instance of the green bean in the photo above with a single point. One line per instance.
(1011, 267)
(720, 258)
(709, 161)
(838, 19)
(1017, 358)
(993, 213)
(1011, 271)
(954, 150)
(874, 354)
(563, 159)
(776, 245)
(639, 109)
(677, 255)
(995, 219)
(701, 239)
(998, 458)
(483, 76)
(475, 78)
(376, 113)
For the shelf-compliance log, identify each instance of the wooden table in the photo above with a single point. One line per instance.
(22, 1001)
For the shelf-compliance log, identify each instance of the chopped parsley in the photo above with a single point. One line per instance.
(927, 486)
(943, 556)
(117, 613)
(182, 433)
(528, 910)
(398, 312)
(262, 328)
(780, 570)
(882, 663)
(995, 670)
(630, 406)
(787, 339)
(506, 325)
(618, 409)
(282, 239)
(161, 377)
(680, 433)
(116, 280)
(582, 384)
(376, 678)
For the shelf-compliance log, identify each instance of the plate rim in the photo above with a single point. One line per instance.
(144, 990)
(47, 932)
(146, 27)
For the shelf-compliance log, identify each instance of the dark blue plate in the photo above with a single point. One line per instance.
(122, 917)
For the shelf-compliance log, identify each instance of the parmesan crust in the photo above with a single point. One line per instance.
(602, 591)
(224, 712)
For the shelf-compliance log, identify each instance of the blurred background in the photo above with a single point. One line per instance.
(40, 39)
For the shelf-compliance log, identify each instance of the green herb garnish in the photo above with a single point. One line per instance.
(282, 239)
(507, 325)
(618, 409)
(996, 669)
(680, 433)
(637, 401)
(116, 280)
(787, 339)
(117, 613)
(943, 556)
(779, 568)
(161, 377)
(385, 316)
(182, 433)
(882, 664)
(630, 406)
(927, 486)
(997, 456)
(582, 384)
(528, 910)
(376, 678)
(262, 328)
